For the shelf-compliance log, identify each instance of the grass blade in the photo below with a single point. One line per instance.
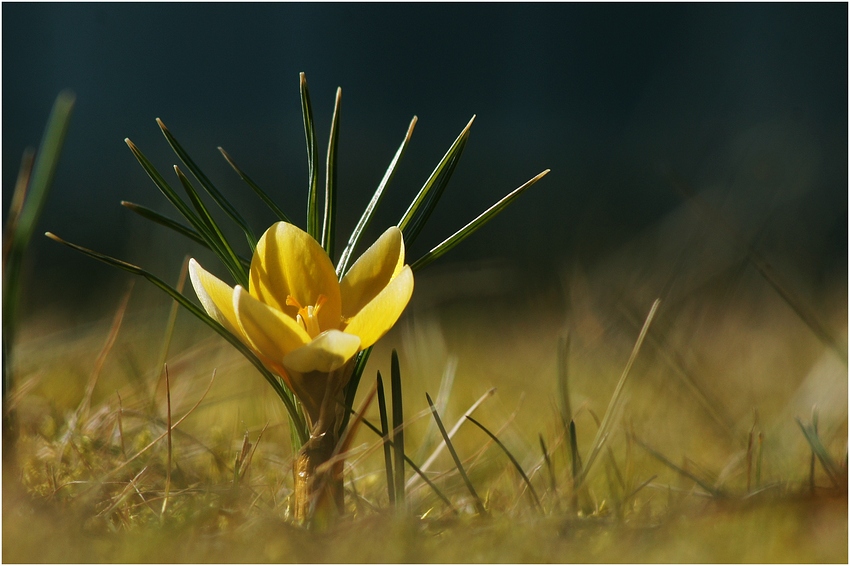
(34, 197)
(284, 394)
(563, 379)
(819, 450)
(388, 458)
(661, 458)
(255, 187)
(18, 198)
(312, 162)
(398, 431)
(607, 419)
(413, 220)
(513, 460)
(353, 383)
(467, 230)
(208, 186)
(414, 467)
(366, 218)
(329, 224)
(479, 505)
(156, 217)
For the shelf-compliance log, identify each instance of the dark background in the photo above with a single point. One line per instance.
(615, 99)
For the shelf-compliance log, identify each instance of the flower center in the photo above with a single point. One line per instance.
(308, 317)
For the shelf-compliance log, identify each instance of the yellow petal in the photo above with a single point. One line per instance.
(289, 262)
(215, 295)
(372, 272)
(270, 332)
(377, 317)
(330, 350)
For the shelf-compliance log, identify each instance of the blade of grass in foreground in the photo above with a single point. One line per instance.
(255, 187)
(329, 223)
(513, 460)
(398, 428)
(818, 449)
(388, 457)
(313, 226)
(661, 458)
(36, 192)
(613, 404)
(479, 505)
(470, 228)
(278, 387)
(366, 218)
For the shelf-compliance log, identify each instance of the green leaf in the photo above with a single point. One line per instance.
(329, 225)
(388, 458)
(34, 188)
(366, 218)
(470, 228)
(256, 188)
(398, 428)
(208, 185)
(819, 450)
(312, 162)
(414, 218)
(513, 460)
(229, 257)
(479, 505)
(285, 395)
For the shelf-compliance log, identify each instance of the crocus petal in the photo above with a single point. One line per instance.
(215, 295)
(327, 352)
(270, 332)
(377, 317)
(372, 272)
(289, 262)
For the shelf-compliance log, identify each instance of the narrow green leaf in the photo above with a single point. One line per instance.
(563, 378)
(819, 450)
(513, 460)
(664, 460)
(613, 404)
(34, 197)
(366, 218)
(279, 388)
(414, 467)
(388, 457)
(162, 220)
(208, 185)
(353, 383)
(575, 459)
(414, 218)
(398, 427)
(479, 505)
(329, 224)
(550, 468)
(313, 226)
(255, 187)
(230, 259)
(470, 228)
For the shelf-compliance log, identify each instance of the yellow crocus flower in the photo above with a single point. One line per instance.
(301, 321)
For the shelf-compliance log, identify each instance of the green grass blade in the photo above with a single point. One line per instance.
(388, 457)
(613, 404)
(513, 460)
(279, 388)
(329, 224)
(414, 218)
(664, 460)
(19, 197)
(229, 257)
(563, 378)
(819, 450)
(38, 187)
(313, 226)
(479, 505)
(208, 185)
(255, 187)
(398, 427)
(413, 467)
(470, 228)
(366, 218)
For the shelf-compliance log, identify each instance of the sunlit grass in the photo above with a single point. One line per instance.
(705, 466)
